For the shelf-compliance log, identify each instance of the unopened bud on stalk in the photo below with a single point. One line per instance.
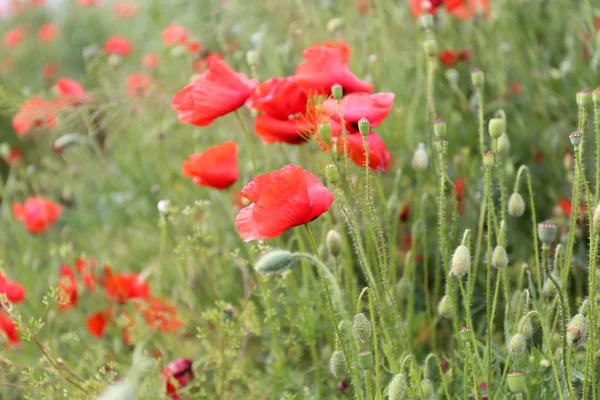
(465, 333)
(477, 78)
(332, 174)
(544, 363)
(273, 262)
(518, 344)
(504, 144)
(525, 327)
(334, 243)
(516, 205)
(365, 359)
(337, 364)
(427, 389)
(426, 21)
(584, 98)
(404, 288)
(397, 388)
(445, 307)
(252, 58)
(325, 132)
(549, 288)
(361, 326)
(420, 158)
(596, 217)
(430, 47)
(337, 92)
(497, 127)
(516, 381)
(488, 159)
(364, 126)
(499, 257)
(440, 129)
(461, 261)
(596, 96)
(575, 138)
(547, 231)
(577, 330)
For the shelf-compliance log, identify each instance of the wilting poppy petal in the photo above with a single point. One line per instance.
(279, 98)
(282, 199)
(9, 329)
(374, 107)
(325, 66)
(213, 94)
(379, 156)
(216, 167)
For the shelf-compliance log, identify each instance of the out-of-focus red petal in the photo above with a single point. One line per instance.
(379, 156)
(96, 323)
(374, 107)
(216, 167)
(273, 130)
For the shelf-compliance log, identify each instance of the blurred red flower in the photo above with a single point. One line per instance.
(194, 47)
(14, 292)
(459, 187)
(174, 34)
(125, 9)
(67, 286)
(151, 60)
(14, 36)
(137, 85)
(213, 94)
(374, 107)
(70, 93)
(379, 156)
(324, 66)
(86, 269)
(216, 167)
(176, 375)
(418, 7)
(9, 329)
(160, 315)
(96, 323)
(124, 286)
(49, 71)
(450, 58)
(464, 9)
(14, 157)
(38, 213)
(34, 112)
(281, 200)
(47, 33)
(118, 45)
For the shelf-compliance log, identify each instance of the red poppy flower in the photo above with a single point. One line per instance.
(38, 213)
(71, 93)
(47, 33)
(123, 287)
(9, 329)
(160, 315)
(118, 45)
(567, 207)
(459, 187)
(86, 269)
(96, 323)
(49, 71)
(176, 375)
(34, 112)
(379, 156)
(279, 97)
(14, 37)
(325, 66)
(137, 85)
(14, 292)
(465, 9)
(125, 9)
(449, 58)
(201, 63)
(342, 46)
(216, 167)
(281, 200)
(418, 7)
(291, 131)
(174, 34)
(194, 47)
(213, 94)
(67, 286)
(151, 60)
(374, 107)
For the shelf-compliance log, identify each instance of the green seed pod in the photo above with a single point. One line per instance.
(499, 257)
(325, 132)
(361, 326)
(404, 288)
(440, 129)
(488, 159)
(577, 330)
(461, 261)
(596, 96)
(427, 389)
(549, 288)
(252, 58)
(332, 174)
(397, 388)
(364, 126)
(544, 363)
(430, 47)
(575, 138)
(496, 127)
(334, 243)
(465, 333)
(426, 21)
(420, 158)
(516, 204)
(445, 307)
(518, 344)
(584, 98)
(504, 145)
(365, 359)
(516, 381)
(596, 217)
(525, 327)
(477, 78)
(337, 92)
(337, 364)
(547, 231)
(274, 261)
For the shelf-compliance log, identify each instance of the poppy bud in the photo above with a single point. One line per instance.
(584, 98)
(549, 288)
(397, 388)
(516, 204)
(516, 381)
(361, 326)
(518, 344)
(461, 261)
(119, 391)
(337, 364)
(332, 174)
(252, 58)
(427, 389)
(273, 262)
(337, 92)
(365, 359)
(325, 132)
(477, 78)
(504, 144)
(364, 126)
(426, 21)
(596, 96)
(445, 307)
(334, 243)
(496, 127)
(544, 363)
(404, 288)
(420, 158)
(499, 257)
(488, 159)
(439, 129)
(465, 333)
(430, 47)
(596, 217)
(575, 138)
(525, 327)
(547, 231)
(577, 330)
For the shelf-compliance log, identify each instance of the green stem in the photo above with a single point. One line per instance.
(473, 374)
(488, 294)
(479, 92)
(597, 131)
(375, 347)
(248, 142)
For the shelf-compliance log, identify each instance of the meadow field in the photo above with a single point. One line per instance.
(300, 199)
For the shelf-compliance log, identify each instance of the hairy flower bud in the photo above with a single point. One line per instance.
(488, 159)
(420, 158)
(596, 96)
(518, 344)
(577, 330)
(364, 126)
(337, 92)
(477, 78)
(516, 204)
(440, 129)
(504, 145)
(584, 98)
(465, 333)
(404, 288)
(426, 21)
(361, 326)
(461, 261)
(430, 47)
(427, 389)
(499, 257)
(334, 243)
(445, 307)
(332, 174)
(547, 231)
(337, 364)
(274, 261)
(549, 288)
(252, 58)
(397, 388)
(525, 327)
(365, 359)
(516, 381)
(575, 138)
(497, 127)
(324, 132)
